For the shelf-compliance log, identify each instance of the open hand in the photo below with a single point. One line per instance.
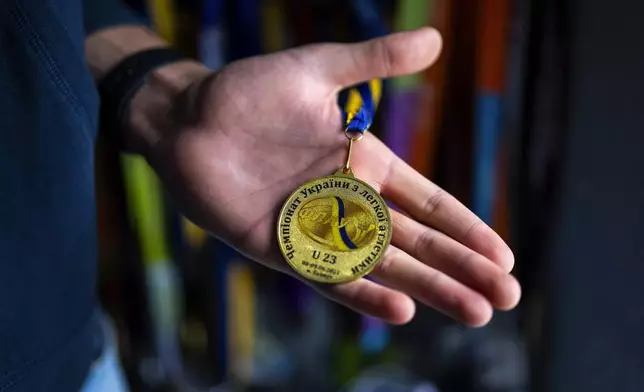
(248, 135)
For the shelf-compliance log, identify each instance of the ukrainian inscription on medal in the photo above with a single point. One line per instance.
(334, 229)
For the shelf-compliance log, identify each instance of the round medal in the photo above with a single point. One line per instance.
(334, 229)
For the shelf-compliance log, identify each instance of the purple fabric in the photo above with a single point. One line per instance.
(401, 122)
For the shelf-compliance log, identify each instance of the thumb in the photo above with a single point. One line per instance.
(396, 54)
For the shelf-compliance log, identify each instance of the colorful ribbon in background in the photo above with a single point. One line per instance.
(493, 26)
(147, 211)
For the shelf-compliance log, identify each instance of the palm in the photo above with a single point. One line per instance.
(266, 125)
(272, 143)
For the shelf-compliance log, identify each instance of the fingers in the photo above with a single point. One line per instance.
(449, 277)
(456, 260)
(400, 271)
(372, 299)
(396, 54)
(430, 205)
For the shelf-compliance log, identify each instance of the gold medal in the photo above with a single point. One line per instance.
(334, 229)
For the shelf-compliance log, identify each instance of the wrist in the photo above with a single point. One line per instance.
(150, 114)
(145, 114)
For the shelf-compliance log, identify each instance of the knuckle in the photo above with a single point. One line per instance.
(384, 266)
(424, 242)
(471, 231)
(433, 203)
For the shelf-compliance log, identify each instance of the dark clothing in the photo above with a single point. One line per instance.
(49, 333)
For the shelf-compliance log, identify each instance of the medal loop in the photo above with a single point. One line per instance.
(359, 110)
(347, 167)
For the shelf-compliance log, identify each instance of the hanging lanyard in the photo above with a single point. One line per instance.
(360, 106)
(359, 110)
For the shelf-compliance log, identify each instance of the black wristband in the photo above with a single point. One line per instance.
(117, 88)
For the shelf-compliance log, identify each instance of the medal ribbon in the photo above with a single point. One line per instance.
(360, 106)
(359, 109)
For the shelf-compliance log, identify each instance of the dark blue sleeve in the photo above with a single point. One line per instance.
(99, 14)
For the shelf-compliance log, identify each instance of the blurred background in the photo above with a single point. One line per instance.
(486, 122)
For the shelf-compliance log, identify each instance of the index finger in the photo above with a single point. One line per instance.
(429, 204)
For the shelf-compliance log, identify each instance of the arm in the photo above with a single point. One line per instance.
(114, 33)
(148, 112)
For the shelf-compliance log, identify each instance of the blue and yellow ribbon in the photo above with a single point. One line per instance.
(360, 106)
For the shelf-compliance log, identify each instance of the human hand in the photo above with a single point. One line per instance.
(242, 139)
